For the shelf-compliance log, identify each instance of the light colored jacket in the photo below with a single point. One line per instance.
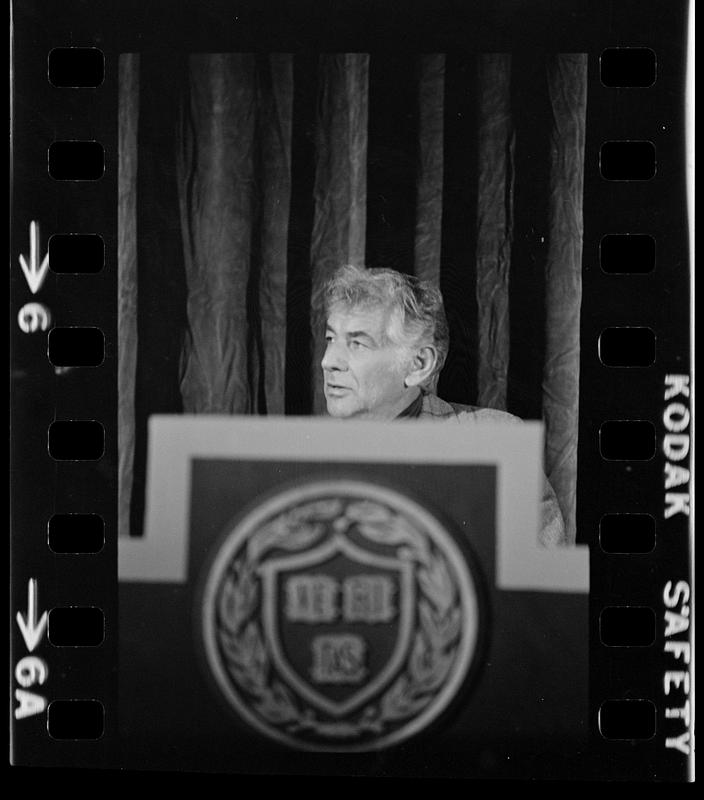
(553, 528)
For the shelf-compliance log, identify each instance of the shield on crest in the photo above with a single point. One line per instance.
(338, 621)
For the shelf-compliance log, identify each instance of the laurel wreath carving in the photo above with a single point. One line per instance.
(434, 643)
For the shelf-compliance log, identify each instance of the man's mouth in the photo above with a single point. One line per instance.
(335, 389)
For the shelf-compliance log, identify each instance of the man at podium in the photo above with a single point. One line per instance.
(387, 339)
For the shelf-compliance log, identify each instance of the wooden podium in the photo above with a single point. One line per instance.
(311, 593)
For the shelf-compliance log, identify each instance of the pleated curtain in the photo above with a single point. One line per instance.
(245, 180)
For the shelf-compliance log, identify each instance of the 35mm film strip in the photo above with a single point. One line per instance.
(214, 565)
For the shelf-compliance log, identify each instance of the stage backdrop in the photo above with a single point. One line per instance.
(246, 180)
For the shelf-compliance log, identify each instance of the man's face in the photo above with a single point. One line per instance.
(363, 371)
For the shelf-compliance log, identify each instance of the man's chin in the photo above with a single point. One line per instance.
(339, 408)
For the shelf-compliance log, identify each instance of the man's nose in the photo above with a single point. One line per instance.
(334, 357)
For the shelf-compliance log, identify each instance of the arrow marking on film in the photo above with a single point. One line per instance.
(31, 628)
(35, 271)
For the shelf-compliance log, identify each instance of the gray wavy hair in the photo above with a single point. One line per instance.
(418, 312)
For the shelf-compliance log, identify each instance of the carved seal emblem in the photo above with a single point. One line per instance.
(340, 615)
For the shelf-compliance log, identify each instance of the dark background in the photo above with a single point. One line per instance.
(660, 300)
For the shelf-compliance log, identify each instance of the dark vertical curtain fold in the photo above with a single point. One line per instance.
(276, 109)
(127, 120)
(458, 380)
(252, 190)
(161, 290)
(530, 110)
(496, 143)
(431, 109)
(300, 226)
(340, 189)
(567, 88)
(392, 162)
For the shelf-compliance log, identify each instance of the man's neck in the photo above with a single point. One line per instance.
(398, 409)
(393, 411)
(414, 408)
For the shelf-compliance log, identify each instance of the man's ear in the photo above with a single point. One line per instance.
(422, 365)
